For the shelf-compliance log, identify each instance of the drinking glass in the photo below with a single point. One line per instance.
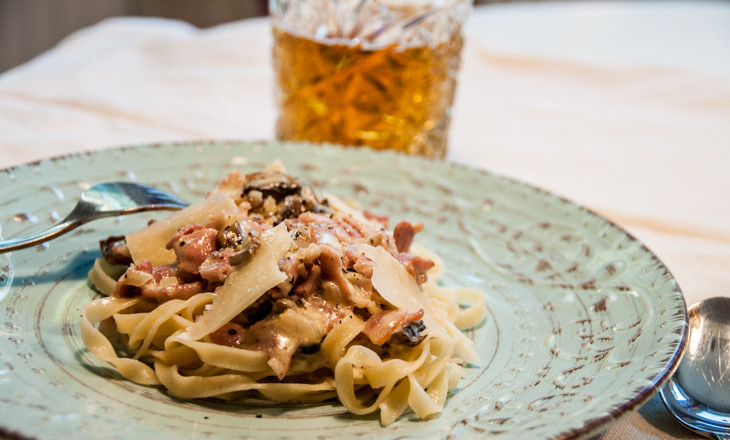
(379, 73)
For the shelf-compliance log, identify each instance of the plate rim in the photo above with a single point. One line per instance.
(592, 427)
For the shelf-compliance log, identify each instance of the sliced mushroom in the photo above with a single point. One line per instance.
(232, 236)
(410, 335)
(115, 250)
(245, 250)
(276, 185)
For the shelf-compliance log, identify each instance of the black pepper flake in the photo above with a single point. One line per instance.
(258, 416)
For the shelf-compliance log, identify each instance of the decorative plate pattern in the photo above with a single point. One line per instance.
(583, 325)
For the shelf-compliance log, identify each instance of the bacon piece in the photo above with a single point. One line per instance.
(172, 291)
(331, 263)
(216, 266)
(381, 326)
(330, 260)
(229, 335)
(297, 266)
(127, 288)
(322, 228)
(327, 271)
(358, 262)
(291, 266)
(192, 244)
(162, 271)
(416, 266)
(310, 284)
(268, 337)
(325, 313)
(421, 266)
(404, 233)
(145, 266)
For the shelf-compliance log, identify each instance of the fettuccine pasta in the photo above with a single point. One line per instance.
(265, 290)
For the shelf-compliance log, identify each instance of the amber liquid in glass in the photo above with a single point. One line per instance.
(389, 98)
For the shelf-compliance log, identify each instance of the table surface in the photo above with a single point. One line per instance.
(623, 107)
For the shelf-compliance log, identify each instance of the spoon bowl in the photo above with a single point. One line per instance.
(698, 394)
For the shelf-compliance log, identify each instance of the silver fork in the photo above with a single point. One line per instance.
(102, 200)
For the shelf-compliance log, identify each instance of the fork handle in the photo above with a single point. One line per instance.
(54, 231)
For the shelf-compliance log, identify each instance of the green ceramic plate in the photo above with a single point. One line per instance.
(584, 323)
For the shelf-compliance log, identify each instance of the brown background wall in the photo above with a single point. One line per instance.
(30, 27)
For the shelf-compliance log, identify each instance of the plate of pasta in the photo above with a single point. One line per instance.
(313, 291)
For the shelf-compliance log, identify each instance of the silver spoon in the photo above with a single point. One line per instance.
(698, 394)
(102, 200)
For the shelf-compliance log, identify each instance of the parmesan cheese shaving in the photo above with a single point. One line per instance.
(345, 208)
(396, 285)
(149, 242)
(246, 284)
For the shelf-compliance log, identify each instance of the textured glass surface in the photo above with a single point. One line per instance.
(374, 73)
(374, 24)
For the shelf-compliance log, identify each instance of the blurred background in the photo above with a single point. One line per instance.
(30, 27)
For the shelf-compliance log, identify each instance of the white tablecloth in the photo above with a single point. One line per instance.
(623, 107)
